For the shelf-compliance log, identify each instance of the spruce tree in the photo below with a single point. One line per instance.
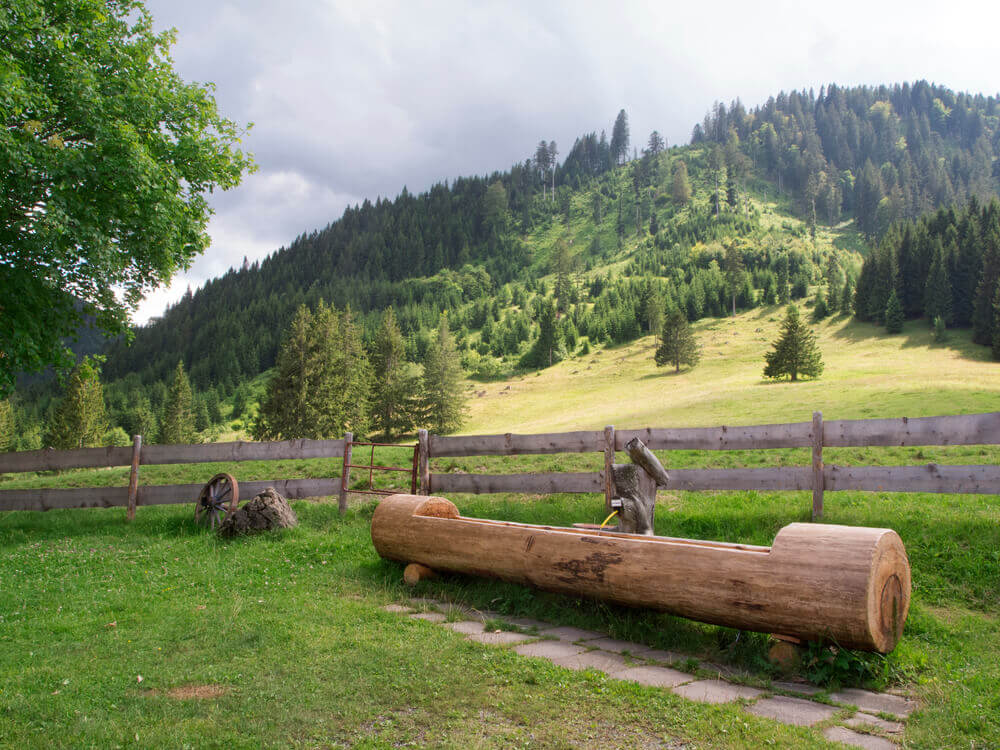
(937, 291)
(443, 399)
(989, 277)
(795, 352)
(678, 345)
(893, 313)
(847, 299)
(178, 411)
(996, 324)
(394, 389)
(820, 309)
(79, 420)
(680, 188)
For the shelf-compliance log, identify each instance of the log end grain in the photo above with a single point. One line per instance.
(888, 592)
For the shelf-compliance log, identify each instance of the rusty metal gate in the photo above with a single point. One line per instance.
(373, 467)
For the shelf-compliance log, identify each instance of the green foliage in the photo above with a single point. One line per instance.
(678, 345)
(116, 436)
(820, 308)
(178, 426)
(830, 665)
(549, 347)
(893, 314)
(8, 436)
(443, 399)
(79, 419)
(394, 408)
(321, 384)
(940, 330)
(99, 129)
(796, 352)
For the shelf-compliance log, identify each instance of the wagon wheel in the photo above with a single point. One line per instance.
(217, 499)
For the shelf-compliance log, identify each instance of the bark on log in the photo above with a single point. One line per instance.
(817, 582)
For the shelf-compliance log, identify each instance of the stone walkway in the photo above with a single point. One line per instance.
(858, 718)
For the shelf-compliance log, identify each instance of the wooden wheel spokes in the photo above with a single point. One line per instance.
(218, 498)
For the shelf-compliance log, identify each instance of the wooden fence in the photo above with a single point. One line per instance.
(966, 429)
(970, 429)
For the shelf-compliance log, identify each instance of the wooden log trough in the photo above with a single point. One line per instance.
(817, 582)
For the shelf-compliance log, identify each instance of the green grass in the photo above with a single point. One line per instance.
(287, 629)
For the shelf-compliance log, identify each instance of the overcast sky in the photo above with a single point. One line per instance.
(357, 98)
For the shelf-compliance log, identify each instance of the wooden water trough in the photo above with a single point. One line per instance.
(846, 584)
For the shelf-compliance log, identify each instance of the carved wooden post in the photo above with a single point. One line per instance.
(133, 479)
(817, 466)
(423, 462)
(609, 460)
(345, 474)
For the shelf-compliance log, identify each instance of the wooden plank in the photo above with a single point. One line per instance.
(589, 441)
(241, 451)
(108, 497)
(53, 460)
(424, 465)
(773, 478)
(725, 438)
(817, 465)
(48, 499)
(609, 460)
(957, 480)
(133, 479)
(961, 429)
(529, 483)
(345, 473)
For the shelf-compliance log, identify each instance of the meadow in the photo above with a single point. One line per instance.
(156, 633)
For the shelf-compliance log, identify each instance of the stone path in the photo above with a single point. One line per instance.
(858, 718)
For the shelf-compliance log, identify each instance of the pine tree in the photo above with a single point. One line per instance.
(989, 277)
(178, 411)
(443, 399)
(549, 347)
(893, 313)
(678, 345)
(996, 324)
(796, 352)
(847, 299)
(620, 138)
(79, 419)
(394, 390)
(734, 272)
(937, 291)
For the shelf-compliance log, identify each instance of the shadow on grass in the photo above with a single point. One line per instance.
(916, 334)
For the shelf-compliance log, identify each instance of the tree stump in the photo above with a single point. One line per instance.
(635, 488)
(267, 511)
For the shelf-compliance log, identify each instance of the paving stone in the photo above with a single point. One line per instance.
(619, 647)
(398, 609)
(566, 633)
(801, 713)
(715, 691)
(602, 661)
(499, 637)
(469, 627)
(876, 703)
(550, 650)
(425, 602)
(525, 622)
(856, 739)
(655, 654)
(862, 719)
(654, 676)
(802, 688)
(429, 616)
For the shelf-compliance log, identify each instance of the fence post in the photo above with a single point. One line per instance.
(345, 474)
(817, 462)
(609, 459)
(423, 462)
(133, 479)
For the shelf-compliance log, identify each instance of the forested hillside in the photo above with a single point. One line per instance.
(879, 154)
(547, 259)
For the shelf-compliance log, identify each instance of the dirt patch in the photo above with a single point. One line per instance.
(200, 692)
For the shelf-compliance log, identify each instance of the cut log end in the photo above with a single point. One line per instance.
(415, 573)
(888, 592)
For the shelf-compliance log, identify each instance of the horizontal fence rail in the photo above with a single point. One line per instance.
(968, 429)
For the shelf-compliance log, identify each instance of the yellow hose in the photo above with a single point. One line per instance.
(613, 514)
